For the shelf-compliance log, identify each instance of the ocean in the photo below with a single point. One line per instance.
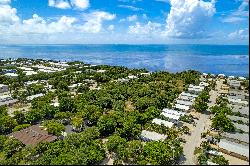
(216, 59)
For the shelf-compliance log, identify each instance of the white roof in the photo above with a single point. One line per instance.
(195, 88)
(231, 77)
(221, 75)
(237, 136)
(205, 74)
(3, 85)
(26, 68)
(145, 73)
(241, 126)
(186, 98)
(203, 84)
(241, 109)
(34, 96)
(132, 76)
(211, 163)
(214, 152)
(188, 94)
(31, 82)
(174, 112)
(182, 107)
(4, 97)
(56, 104)
(165, 123)
(236, 118)
(237, 101)
(171, 116)
(242, 78)
(11, 74)
(151, 135)
(182, 102)
(29, 73)
(101, 71)
(234, 147)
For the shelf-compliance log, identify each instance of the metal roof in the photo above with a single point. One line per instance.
(234, 147)
(165, 123)
(237, 136)
(153, 136)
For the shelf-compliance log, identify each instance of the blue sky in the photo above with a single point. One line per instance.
(124, 21)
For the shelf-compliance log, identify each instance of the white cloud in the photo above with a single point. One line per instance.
(130, 7)
(111, 27)
(241, 14)
(129, 18)
(132, 18)
(188, 18)
(67, 4)
(4, 1)
(81, 4)
(147, 29)
(38, 25)
(94, 21)
(7, 13)
(241, 34)
(61, 4)
(11, 24)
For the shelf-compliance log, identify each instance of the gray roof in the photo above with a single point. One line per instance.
(11, 101)
(237, 136)
(234, 147)
(241, 109)
(236, 118)
(242, 127)
(183, 102)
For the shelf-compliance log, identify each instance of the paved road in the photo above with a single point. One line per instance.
(194, 140)
(202, 125)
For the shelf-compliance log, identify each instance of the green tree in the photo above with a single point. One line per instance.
(20, 127)
(106, 124)
(54, 127)
(11, 146)
(19, 116)
(221, 121)
(66, 104)
(77, 123)
(3, 110)
(220, 160)
(114, 141)
(7, 123)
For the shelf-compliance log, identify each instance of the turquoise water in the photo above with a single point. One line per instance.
(227, 59)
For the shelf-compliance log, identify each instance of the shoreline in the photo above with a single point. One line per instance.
(130, 68)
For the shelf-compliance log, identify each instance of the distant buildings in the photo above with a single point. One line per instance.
(30, 98)
(11, 75)
(235, 84)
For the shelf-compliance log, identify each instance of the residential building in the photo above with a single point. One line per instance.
(33, 135)
(4, 88)
(7, 100)
(165, 123)
(30, 98)
(235, 84)
(234, 149)
(12, 75)
(152, 136)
